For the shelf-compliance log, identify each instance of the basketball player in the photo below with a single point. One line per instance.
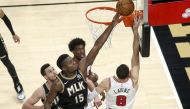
(71, 85)
(49, 73)
(77, 47)
(5, 58)
(121, 89)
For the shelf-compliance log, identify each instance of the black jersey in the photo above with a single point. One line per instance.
(54, 105)
(75, 92)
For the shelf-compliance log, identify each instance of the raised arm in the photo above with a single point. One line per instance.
(135, 62)
(103, 86)
(9, 25)
(36, 96)
(89, 59)
(55, 88)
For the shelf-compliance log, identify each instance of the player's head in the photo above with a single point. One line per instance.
(77, 47)
(122, 71)
(66, 63)
(48, 72)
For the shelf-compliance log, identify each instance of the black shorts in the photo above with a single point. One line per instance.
(3, 51)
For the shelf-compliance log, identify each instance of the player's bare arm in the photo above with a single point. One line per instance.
(91, 87)
(99, 89)
(135, 62)
(36, 96)
(90, 84)
(89, 59)
(55, 88)
(103, 86)
(6, 20)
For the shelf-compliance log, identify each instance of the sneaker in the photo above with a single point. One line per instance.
(20, 92)
(21, 96)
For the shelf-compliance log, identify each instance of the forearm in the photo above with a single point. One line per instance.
(8, 24)
(135, 56)
(90, 84)
(102, 39)
(136, 43)
(98, 45)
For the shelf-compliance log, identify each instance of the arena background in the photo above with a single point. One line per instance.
(46, 27)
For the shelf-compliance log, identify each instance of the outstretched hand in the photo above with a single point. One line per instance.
(16, 38)
(97, 102)
(137, 20)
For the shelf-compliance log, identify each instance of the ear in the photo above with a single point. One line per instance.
(63, 68)
(45, 77)
(73, 52)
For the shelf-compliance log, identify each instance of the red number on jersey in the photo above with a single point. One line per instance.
(121, 100)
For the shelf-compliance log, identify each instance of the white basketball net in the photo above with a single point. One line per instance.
(100, 15)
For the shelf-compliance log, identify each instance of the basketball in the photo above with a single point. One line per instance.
(93, 77)
(125, 7)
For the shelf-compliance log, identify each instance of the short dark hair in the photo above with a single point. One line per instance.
(42, 70)
(61, 59)
(122, 71)
(75, 42)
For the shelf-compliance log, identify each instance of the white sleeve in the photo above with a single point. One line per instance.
(92, 95)
(88, 69)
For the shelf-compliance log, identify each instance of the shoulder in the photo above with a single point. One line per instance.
(105, 83)
(134, 80)
(106, 80)
(38, 93)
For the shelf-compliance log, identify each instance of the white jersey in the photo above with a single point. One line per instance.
(89, 106)
(120, 95)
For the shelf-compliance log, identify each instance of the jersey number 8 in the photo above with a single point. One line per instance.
(121, 100)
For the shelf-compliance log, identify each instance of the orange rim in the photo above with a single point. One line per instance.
(101, 8)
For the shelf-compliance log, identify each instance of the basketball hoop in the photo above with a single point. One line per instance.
(98, 19)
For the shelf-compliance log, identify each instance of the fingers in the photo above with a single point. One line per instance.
(96, 107)
(16, 39)
(97, 102)
(137, 20)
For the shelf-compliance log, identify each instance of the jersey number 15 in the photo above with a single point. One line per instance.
(79, 98)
